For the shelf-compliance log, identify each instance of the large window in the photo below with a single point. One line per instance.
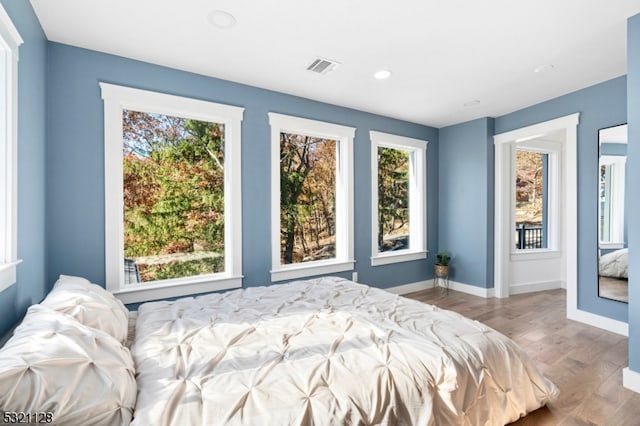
(9, 42)
(312, 197)
(172, 218)
(398, 198)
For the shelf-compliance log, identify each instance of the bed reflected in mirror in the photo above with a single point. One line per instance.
(612, 230)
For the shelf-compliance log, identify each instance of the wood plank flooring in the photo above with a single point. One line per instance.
(584, 362)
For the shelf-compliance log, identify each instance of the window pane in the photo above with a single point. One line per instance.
(393, 199)
(307, 198)
(605, 202)
(531, 200)
(173, 196)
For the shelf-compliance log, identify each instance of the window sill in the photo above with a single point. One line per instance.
(176, 288)
(396, 257)
(8, 274)
(302, 270)
(535, 254)
(611, 246)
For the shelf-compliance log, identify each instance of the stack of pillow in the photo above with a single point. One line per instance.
(68, 358)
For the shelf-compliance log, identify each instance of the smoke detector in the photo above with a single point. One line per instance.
(322, 65)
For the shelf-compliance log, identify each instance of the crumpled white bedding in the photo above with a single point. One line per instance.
(326, 351)
(615, 264)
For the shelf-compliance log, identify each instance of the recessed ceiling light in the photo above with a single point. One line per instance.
(543, 68)
(472, 103)
(382, 74)
(221, 19)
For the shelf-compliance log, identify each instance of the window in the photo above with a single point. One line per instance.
(173, 221)
(10, 40)
(312, 197)
(535, 196)
(531, 194)
(398, 197)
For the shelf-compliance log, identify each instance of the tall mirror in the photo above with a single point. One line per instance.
(612, 228)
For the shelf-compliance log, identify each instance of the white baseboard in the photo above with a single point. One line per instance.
(471, 289)
(453, 285)
(631, 379)
(532, 287)
(411, 287)
(599, 321)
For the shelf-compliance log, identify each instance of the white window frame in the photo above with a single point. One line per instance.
(10, 42)
(344, 260)
(615, 200)
(417, 150)
(118, 98)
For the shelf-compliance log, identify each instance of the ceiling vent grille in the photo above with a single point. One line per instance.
(322, 66)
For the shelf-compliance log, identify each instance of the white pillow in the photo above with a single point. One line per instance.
(89, 304)
(53, 364)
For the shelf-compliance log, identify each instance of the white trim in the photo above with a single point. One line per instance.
(10, 42)
(598, 321)
(417, 150)
(472, 289)
(502, 246)
(537, 286)
(143, 293)
(409, 288)
(9, 34)
(118, 98)
(344, 196)
(631, 379)
(534, 254)
(387, 258)
(611, 246)
(453, 285)
(307, 269)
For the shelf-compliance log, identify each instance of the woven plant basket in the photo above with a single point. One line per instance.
(441, 270)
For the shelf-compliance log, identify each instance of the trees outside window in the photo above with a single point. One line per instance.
(312, 197)
(307, 198)
(398, 194)
(173, 177)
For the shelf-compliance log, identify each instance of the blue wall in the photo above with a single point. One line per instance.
(633, 179)
(30, 287)
(75, 182)
(465, 200)
(602, 105)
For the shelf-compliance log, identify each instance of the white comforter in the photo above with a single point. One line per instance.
(615, 264)
(326, 351)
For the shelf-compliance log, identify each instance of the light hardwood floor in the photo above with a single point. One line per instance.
(584, 362)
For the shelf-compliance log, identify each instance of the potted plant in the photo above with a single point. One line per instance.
(441, 268)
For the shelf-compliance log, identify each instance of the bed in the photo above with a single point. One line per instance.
(321, 351)
(614, 264)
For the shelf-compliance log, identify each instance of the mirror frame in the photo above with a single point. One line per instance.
(598, 230)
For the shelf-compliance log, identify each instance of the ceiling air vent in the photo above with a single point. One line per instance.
(322, 66)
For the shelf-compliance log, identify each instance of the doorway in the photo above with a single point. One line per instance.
(551, 263)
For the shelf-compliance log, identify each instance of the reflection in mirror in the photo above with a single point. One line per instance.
(612, 231)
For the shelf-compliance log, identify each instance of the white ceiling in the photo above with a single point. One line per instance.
(443, 54)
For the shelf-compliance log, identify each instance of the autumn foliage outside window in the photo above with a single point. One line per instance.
(530, 199)
(173, 178)
(307, 198)
(393, 199)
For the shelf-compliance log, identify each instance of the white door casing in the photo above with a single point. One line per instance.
(567, 235)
